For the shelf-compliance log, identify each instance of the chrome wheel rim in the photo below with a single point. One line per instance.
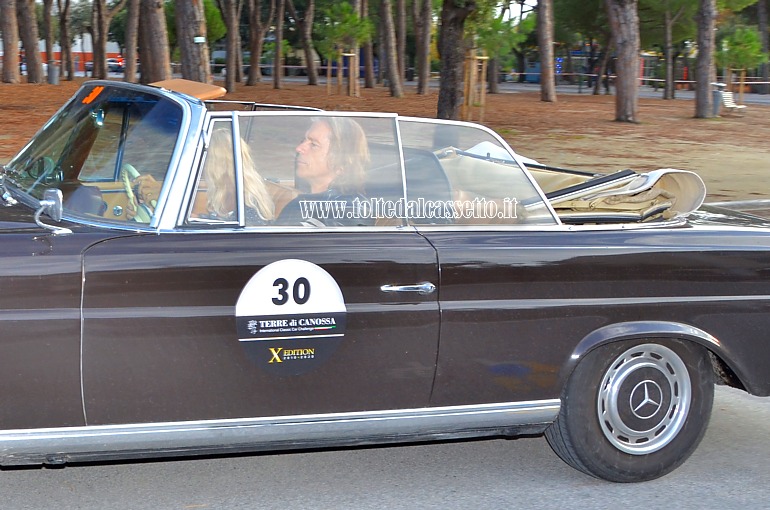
(644, 399)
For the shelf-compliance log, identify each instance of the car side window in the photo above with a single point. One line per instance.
(460, 174)
(327, 171)
(228, 172)
(131, 155)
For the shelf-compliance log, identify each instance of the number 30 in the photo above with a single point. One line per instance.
(300, 291)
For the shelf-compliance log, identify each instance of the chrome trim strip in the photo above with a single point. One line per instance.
(41, 445)
(238, 163)
(539, 304)
(155, 312)
(40, 314)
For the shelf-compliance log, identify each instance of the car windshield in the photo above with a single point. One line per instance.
(95, 146)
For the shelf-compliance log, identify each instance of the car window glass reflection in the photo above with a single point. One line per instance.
(95, 150)
(217, 189)
(327, 170)
(468, 179)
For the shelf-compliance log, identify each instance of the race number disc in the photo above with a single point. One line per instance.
(290, 316)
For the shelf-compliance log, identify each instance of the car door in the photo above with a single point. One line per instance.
(496, 251)
(221, 320)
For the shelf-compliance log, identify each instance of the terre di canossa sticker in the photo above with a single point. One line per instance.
(290, 316)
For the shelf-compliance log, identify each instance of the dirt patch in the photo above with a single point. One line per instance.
(731, 153)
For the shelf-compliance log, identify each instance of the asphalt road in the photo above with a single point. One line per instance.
(730, 470)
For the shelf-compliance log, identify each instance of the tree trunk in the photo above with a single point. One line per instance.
(674, 57)
(10, 30)
(238, 43)
(194, 55)
(354, 63)
(604, 61)
(132, 41)
(381, 51)
(401, 37)
(389, 30)
(668, 52)
(153, 42)
(305, 25)
(669, 22)
(706, 18)
(98, 42)
(48, 34)
(762, 20)
(257, 30)
(100, 27)
(25, 10)
(422, 26)
(493, 76)
(64, 38)
(278, 58)
(545, 41)
(368, 50)
(521, 65)
(451, 46)
(624, 21)
(569, 68)
(229, 11)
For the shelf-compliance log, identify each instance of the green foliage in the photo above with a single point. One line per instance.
(215, 25)
(268, 51)
(480, 17)
(169, 9)
(527, 26)
(652, 15)
(54, 23)
(585, 17)
(80, 18)
(118, 28)
(742, 49)
(340, 28)
(734, 5)
(499, 37)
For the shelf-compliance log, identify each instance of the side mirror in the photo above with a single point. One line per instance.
(51, 204)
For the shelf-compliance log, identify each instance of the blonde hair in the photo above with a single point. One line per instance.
(348, 153)
(219, 173)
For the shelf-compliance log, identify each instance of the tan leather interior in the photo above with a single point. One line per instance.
(281, 194)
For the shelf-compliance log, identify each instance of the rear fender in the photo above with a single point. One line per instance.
(725, 365)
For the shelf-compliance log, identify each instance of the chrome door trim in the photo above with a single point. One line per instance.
(69, 444)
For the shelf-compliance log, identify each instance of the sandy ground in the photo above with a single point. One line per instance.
(731, 153)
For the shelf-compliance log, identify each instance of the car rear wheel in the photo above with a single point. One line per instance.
(634, 411)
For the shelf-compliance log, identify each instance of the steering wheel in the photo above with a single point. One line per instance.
(128, 173)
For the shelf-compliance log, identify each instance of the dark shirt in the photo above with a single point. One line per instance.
(328, 208)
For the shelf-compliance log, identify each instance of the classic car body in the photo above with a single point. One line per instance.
(466, 295)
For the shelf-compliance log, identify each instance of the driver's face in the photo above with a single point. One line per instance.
(311, 161)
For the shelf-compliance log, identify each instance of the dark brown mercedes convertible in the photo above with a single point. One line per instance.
(184, 275)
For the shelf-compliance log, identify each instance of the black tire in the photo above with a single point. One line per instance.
(634, 410)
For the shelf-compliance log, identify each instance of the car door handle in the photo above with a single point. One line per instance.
(421, 288)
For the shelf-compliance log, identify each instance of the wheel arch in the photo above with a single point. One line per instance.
(721, 358)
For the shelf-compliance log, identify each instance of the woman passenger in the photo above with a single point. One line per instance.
(219, 176)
